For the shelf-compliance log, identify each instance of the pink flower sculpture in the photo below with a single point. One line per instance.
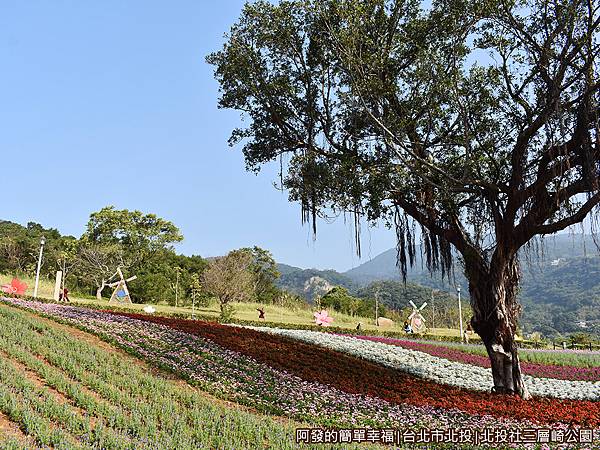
(323, 319)
(16, 286)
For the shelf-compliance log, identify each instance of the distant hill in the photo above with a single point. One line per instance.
(560, 288)
(563, 296)
(383, 266)
(311, 282)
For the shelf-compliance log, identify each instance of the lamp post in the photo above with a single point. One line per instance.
(193, 303)
(39, 266)
(177, 287)
(460, 314)
(433, 309)
(377, 307)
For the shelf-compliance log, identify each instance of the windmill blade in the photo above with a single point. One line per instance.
(131, 278)
(413, 305)
(112, 276)
(115, 284)
(423, 306)
(411, 316)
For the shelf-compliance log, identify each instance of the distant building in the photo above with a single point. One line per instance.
(555, 262)
(582, 324)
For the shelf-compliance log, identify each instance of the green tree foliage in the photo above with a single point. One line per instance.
(571, 294)
(379, 111)
(140, 235)
(583, 339)
(200, 298)
(441, 310)
(146, 245)
(158, 274)
(20, 246)
(265, 272)
(340, 300)
(140, 244)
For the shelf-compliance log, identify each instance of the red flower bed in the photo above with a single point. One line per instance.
(533, 369)
(350, 374)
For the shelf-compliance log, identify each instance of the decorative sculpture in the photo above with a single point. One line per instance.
(121, 293)
(57, 284)
(417, 322)
(385, 323)
(16, 287)
(323, 319)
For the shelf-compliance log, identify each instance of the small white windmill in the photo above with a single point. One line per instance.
(121, 293)
(417, 322)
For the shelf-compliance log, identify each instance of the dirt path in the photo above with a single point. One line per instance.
(9, 429)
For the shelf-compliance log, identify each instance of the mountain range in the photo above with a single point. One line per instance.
(560, 287)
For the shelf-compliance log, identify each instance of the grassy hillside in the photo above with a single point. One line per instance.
(243, 311)
(66, 389)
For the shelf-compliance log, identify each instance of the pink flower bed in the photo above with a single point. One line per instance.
(533, 369)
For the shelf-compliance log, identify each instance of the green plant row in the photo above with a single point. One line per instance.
(100, 435)
(135, 406)
(36, 410)
(116, 383)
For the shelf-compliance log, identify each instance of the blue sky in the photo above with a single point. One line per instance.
(111, 103)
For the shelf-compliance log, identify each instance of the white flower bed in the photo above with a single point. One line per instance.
(437, 369)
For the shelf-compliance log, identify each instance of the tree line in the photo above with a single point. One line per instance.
(140, 244)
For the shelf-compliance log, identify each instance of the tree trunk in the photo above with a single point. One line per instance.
(99, 290)
(495, 312)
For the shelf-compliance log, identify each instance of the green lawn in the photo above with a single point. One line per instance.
(244, 311)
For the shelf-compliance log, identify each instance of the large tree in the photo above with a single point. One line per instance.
(476, 121)
(139, 235)
(264, 269)
(20, 246)
(230, 279)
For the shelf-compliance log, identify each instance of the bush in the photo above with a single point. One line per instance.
(227, 313)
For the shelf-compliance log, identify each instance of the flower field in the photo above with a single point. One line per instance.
(561, 372)
(324, 379)
(63, 392)
(438, 369)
